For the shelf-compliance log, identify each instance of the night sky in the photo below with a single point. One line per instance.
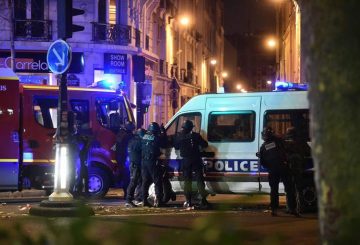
(249, 16)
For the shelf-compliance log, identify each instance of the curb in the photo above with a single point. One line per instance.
(23, 196)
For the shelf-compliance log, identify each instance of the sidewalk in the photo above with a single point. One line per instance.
(31, 195)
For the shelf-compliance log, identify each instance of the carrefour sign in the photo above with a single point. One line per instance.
(35, 62)
(25, 64)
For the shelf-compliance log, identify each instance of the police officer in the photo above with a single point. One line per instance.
(151, 168)
(122, 140)
(273, 157)
(84, 139)
(189, 144)
(134, 151)
(297, 150)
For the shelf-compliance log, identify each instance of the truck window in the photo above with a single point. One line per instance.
(238, 126)
(81, 110)
(280, 120)
(45, 111)
(111, 112)
(175, 126)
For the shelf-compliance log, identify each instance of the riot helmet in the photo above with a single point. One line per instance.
(187, 125)
(129, 126)
(141, 132)
(290, 133)
(267, 133)
(154, 128)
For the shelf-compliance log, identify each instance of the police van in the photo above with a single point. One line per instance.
(232, 124)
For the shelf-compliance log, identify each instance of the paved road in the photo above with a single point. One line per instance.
(238, 217)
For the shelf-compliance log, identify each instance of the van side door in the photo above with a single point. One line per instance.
(232, 132)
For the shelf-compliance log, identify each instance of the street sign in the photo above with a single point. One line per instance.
(59, 57)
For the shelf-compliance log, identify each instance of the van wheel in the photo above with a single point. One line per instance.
(98, 182)
(308, 198)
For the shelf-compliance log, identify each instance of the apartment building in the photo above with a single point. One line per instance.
(158, 51)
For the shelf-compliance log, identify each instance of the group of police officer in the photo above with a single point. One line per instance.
(285, 161)
(144, 150)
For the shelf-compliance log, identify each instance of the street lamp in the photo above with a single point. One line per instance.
(268, 82)
(271, 43)
(224, 74)
(184, 20)
(213, 62)
(238, 87)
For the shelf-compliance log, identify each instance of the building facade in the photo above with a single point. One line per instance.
(145, 46)
(289, 56)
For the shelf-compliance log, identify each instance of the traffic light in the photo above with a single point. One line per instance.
(65, 21)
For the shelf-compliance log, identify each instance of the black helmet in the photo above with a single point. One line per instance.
(154, 128)
(290, 133)
(141, 132)
(267, 133)
(187, 125)
(129, 126)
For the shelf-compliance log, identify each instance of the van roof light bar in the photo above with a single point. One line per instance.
(288, 86)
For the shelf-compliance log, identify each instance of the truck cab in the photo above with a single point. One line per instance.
(100, 112)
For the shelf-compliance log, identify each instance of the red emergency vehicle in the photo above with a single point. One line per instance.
(28, 118)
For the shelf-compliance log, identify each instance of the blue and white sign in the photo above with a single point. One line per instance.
(59, 57)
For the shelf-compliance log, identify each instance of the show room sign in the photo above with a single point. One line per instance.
(115, 63)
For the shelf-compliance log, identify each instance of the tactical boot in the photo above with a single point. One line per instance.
(158, 203)
(187, 204)
(204, 204)
(129, 204)
(274, 212)
(173, 196)
(145, 203)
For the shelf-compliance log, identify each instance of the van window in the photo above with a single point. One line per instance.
(238, 126)
(45, 111)
(175, 126)
(81, 110)
(111, 112)
(280, 120)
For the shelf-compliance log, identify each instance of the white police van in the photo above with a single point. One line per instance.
(232, 124)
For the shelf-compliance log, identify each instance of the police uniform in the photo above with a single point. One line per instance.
(273, 157)
(189, 144)
(82, 180)
(122, 140)
(151, 169)
(296, 150)
(134, 151)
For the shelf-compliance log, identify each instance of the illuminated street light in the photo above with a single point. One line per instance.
(185, 21)
(268, 82)
(271, 43)
(213, 61)
(224, 74)
(238, 86)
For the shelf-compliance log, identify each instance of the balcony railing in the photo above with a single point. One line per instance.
(111, 33)
(37, 30)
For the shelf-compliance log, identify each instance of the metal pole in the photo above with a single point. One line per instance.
(12, 33)
(62, 157)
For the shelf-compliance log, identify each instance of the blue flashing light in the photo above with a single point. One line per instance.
(286, 86)
(28, 156)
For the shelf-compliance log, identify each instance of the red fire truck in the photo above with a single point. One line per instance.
(28, 118)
